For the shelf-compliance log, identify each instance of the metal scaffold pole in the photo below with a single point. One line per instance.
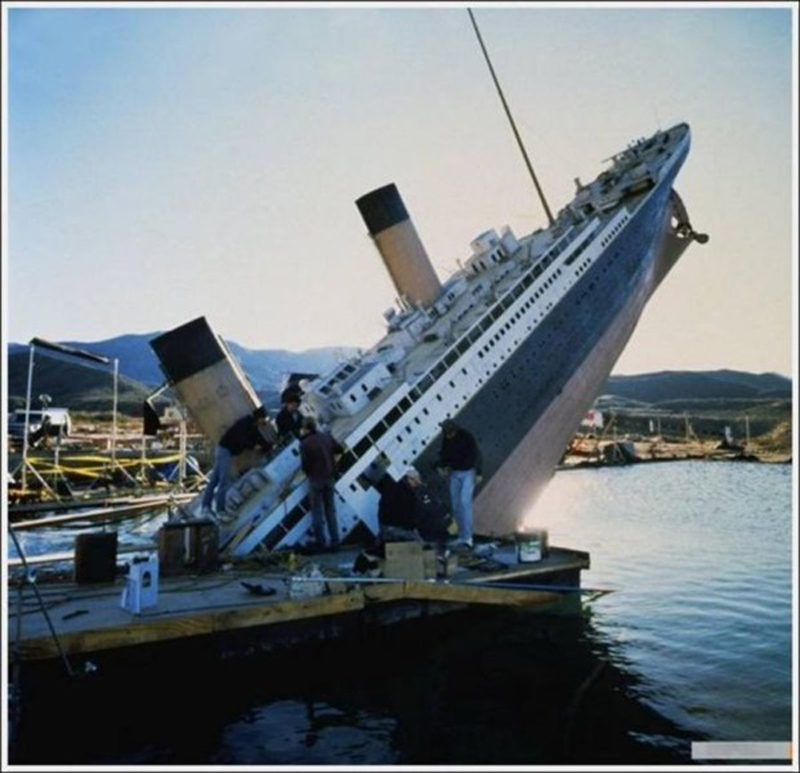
(114, 413)
(27, 422)
(182, 453)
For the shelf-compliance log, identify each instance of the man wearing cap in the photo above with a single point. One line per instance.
(318, 452)
(460, 460)
(289, 420)
(242, 435)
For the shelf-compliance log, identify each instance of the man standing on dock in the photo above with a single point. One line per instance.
(318, 451)
(460, 459)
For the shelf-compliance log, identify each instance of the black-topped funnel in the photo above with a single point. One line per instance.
(399, 244)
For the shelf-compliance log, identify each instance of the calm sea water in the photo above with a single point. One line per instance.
(700, 557)
(694, 643)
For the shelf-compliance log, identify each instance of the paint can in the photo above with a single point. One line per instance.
(532, 545)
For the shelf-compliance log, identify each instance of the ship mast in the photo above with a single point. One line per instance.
(511, 120)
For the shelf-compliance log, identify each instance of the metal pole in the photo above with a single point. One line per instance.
(29, 579)
(56, 462)
(182, 453)
(511, 121)
(114, 418)
(143, 467)
(27, 423)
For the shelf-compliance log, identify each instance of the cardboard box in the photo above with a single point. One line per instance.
(429, 563)
(404, 560)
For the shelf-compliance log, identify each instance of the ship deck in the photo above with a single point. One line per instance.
(424, 354)
(88, 619)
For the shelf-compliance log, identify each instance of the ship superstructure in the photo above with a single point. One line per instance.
(515, 346)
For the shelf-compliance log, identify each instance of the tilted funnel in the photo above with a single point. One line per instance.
(400, 247)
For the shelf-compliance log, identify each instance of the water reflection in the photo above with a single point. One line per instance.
(694, 644)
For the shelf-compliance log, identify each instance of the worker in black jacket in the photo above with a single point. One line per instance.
(289, 419)
(318, 455)
(245, 434)
(460, 460)
(407, 510)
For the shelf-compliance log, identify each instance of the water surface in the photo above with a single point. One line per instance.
(694, 643)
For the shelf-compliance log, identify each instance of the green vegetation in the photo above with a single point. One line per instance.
(73, 386)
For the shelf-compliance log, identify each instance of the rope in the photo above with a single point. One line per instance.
(30, 581)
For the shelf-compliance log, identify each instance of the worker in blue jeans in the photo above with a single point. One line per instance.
(244, 434)
(318, 453)
(460, 460)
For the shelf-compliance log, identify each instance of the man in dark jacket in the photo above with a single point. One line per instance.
(289, 419)
(460, 460)
(318, 452)
(406, 509)
(242, 435)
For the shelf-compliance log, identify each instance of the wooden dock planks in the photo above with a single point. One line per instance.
(142, 630)
(195, 606)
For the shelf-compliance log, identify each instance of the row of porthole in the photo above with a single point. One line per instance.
(488, 372)
(367, 440)
(615, 230)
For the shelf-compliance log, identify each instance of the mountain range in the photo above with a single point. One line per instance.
(74, 385)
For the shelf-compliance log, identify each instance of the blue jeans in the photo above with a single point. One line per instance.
(462, 484)
(220, 479)
(323, 509)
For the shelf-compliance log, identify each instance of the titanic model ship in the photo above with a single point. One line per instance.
(515, 346)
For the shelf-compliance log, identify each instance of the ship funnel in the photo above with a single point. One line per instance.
(400, 247)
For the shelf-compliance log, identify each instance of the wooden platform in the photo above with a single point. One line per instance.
(90, 618)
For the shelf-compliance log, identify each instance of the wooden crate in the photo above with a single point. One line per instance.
(404, 560)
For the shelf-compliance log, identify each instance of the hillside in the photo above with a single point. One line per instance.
(78, 387)
(746, 403)
(679, 385)
(712, 400)
(85, 388)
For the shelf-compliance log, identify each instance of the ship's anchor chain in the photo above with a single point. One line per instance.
(684, 228)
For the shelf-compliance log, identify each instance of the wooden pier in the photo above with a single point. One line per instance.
(320, 591)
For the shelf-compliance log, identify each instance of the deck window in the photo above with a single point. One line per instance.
(362, 447)
(393, 416)
(347, 461)
(378, 431)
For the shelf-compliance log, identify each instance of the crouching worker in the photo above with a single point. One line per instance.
(249, 432)
(407, 511)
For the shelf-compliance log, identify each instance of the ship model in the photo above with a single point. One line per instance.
(515, 347)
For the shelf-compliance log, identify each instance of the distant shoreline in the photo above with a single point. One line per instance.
(591, 453)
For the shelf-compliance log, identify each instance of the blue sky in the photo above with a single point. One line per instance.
(164, 163)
